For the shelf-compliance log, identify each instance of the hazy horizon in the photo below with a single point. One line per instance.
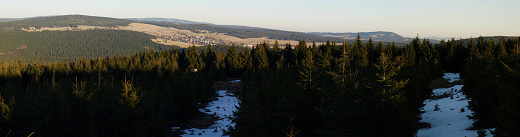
(458, 19)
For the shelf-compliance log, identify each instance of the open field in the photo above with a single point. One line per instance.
(159, 31)
(174, 43)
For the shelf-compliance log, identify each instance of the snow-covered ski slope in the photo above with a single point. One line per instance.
(448, 115)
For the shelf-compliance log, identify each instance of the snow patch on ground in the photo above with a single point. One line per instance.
(452, 76)
(448, 115)
(453, 90)
(222, 108)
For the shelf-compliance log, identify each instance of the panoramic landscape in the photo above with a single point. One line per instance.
(206, 68)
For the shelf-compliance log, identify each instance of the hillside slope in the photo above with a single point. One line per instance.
(66, 40)
(247, 32)
(50, 46)
(376, 36)
(9, 19)
(63, 21)
(256, 32)
(172, 20)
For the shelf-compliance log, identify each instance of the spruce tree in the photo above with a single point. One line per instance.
(337, 108)
(516, 49)
(194, 59)
(490, 48)
(344, 74)
(5, 112)
(500, 50)
(209, 57)
(388, 86)
(289, 55)
(361, 53)
(276, 47)
(274, 55)
(300, 51)
(480, 44)
(474, 51)
(410, 54)
(307, 70)
(260, 59)
(233, 63)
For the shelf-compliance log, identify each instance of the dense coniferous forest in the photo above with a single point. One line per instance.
(333, 89)
(359, 89)
(60, 46)
(141, 95)
(491, 80)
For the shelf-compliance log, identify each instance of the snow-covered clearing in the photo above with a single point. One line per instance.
(223, 109)
(448, 115)
(452, 77)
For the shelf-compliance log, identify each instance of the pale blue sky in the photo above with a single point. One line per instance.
(442, 18)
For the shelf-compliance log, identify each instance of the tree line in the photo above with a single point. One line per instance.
(359, 89)
(139, 95)
(62, 21)
(62, 46)
(367, 89)
(331, 89)
(491, 80)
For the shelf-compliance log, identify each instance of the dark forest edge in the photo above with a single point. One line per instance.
(358, 89)
(62, 21)
(63, 46)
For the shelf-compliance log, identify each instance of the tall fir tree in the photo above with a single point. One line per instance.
(260, 59)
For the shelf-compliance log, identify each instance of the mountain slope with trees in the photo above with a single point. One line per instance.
(63, 21)
(61, 46)
(256, 32)
(50, 46)
(376, 36)
(245, 33)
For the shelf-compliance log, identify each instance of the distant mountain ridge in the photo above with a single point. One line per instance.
(10, 19)
(232, 30)
(376, 36)
(181, 21)
(439, 38)
(63, 21)
(173, 20)
(243, 32)
(256, 32)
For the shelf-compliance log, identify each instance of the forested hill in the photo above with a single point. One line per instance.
(165, 20)
(59, 46)
(63, 21)
(72, 45)
(377, 36)
(9, 19)
(495, 39)
(247, 32)
(256, 32)
(231, 30)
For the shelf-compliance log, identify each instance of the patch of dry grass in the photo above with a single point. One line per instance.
(167, 31)
(173, 43)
